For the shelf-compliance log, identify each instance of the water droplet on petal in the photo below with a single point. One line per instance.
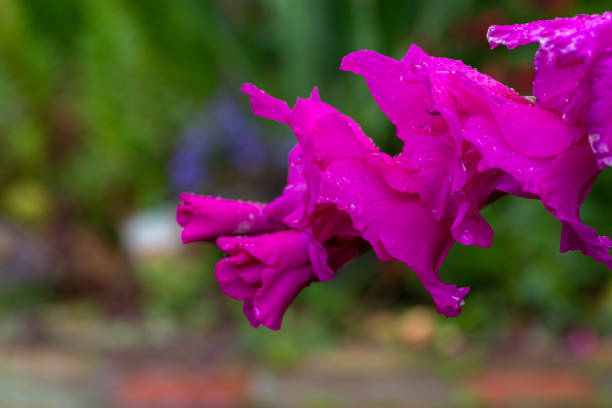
(467, 237)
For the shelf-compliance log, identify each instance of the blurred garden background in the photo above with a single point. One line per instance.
(110, 108)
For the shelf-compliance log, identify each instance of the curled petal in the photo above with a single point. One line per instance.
(284, 249)
(600, 112)
(398, 92)
(268, 271)
(534, 132)
(278, 290)
(265, 105)
(572, 71)
(231, 272)
(205, 218)
(565, 185)
(291, 205)
(470, 228)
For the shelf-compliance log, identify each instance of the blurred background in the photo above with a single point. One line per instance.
(109, 109)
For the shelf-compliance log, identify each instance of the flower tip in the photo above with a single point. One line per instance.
(225, 243)
(345, 63)
(352, 61)
(248, 88)
(453, 310)
(493, 42)
(314, 95)
(451, 305)
(256, 319)
(183, 214)
(187, 198)
(272, 326)
(265, 105)
(187, 236)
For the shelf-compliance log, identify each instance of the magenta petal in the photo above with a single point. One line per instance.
(485, 135)
(470, 228)
(268, 271)
(565, 185)
(284, 249)
(227, 273)
(319, 261)
(206, 218)
(441, 171)
(600, 113)
(435, 72)
(572, 71)
(310, 116)
(278, 290)
(265, 105)
(292, 203)
(396, 226)
(535, 132)
(398, 93)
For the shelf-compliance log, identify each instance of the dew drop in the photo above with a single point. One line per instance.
(467, 237)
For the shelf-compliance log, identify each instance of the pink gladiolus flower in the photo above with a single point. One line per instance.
(573, 71)
(344, 168)
(468, 139)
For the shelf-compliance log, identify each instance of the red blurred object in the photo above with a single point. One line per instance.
(511, 386)
(182, 389)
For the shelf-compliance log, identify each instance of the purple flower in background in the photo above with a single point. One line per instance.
(240, 135)
(573, 71)
(24, 258)
(186, 168)
(225, 136)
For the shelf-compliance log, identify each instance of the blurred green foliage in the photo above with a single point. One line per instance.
(93, 95)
